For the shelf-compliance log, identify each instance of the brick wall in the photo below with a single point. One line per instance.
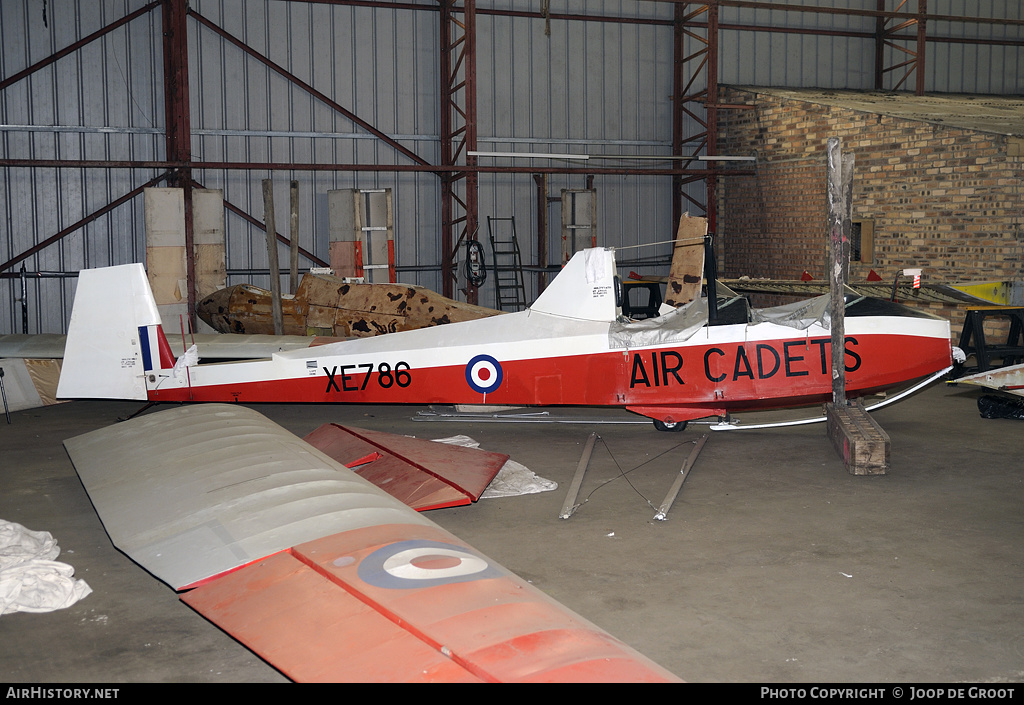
(944, 199)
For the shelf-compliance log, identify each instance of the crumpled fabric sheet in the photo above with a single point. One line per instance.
(30, 580)
(512, 480)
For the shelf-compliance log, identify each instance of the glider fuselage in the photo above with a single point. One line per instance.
(569, 348)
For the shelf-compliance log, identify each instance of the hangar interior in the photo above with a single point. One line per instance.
(137, 131)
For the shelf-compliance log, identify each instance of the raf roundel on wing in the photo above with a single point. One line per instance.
(418, 564)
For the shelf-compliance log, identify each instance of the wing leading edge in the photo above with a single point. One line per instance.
(319, 572)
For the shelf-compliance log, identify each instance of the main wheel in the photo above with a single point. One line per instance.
(673, 427)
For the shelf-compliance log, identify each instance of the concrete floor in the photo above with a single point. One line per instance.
(775, 565)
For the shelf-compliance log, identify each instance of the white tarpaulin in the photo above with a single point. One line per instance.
(675, 326)
(799, 314)
(30, 580)
(512, 480)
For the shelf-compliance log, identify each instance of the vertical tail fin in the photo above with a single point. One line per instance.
(114, 337)
(585, 289)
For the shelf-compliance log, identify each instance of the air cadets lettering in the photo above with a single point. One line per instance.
(345, 378)
(664, 367)
(798, 359)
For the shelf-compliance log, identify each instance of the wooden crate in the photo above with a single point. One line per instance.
(859, 440)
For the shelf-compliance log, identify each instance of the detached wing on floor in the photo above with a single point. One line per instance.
(423, 474)
(316, 570)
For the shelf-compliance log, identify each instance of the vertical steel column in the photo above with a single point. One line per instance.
(458, 137)
(922, 11)
(685, 95)
(677, 109)
(178, 127)
(447, 178)
(712, 116)
(917, 57)
(879, 45)
(472, 178)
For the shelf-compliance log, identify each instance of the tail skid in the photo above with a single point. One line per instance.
(114, 338)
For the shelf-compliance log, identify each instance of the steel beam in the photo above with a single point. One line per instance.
(712, 115)
(459, 215)
(693, 101)
(748, 4)
(178, 128)
(389, 168)
(677, 108)
(886, 36)
(851, 11)
(922, 12)
(71, 48)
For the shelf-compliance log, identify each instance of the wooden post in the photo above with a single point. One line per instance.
(859, 440)
(838, 206)
(272, 263)
(542, 230)
(294, 278)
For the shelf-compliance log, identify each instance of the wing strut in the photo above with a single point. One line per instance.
(570, 505)
(673, 491)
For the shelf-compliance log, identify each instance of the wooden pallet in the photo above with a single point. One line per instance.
(859, 440)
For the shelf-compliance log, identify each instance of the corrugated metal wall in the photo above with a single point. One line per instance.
(594, 88)
(379, 64)
(799, 60)
(588, 86)
(101, 102)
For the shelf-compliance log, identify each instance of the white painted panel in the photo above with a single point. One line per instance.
(208, 216)
(165, 217)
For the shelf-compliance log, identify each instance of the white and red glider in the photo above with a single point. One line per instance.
(571, 347)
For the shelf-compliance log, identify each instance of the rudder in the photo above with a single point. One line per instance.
(585, 289)
(114, 336)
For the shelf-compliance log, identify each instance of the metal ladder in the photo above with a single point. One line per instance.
(509, 291)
